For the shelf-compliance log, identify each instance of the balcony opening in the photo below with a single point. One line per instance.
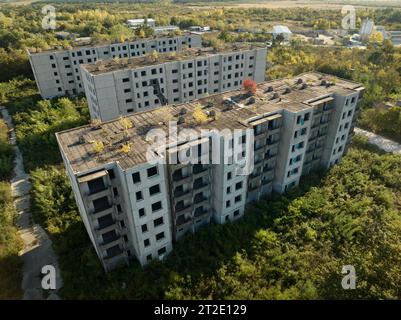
(109, 237)
(96, 185)
(101, 204)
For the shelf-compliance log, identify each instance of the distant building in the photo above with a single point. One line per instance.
(395, 37)
(199, 28)
(57, 70)
(137, 23)
(383, 31)
(282, 30)
(368, 28)
(165, 29)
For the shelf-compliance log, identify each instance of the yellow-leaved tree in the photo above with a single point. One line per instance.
(126, 147)
(199, 116)
(376, 37)
(98, 146)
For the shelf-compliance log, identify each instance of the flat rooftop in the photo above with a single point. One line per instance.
(294, 94)
(98, 43)
(110, 65)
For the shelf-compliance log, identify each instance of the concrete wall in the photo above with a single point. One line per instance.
(127, 91)
(57, 73)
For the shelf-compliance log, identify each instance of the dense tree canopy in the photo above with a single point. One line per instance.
(10, 243)
(36, 128)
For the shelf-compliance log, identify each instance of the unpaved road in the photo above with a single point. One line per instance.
(382, 143)
(37, 251)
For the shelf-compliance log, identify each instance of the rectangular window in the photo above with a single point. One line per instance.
(161, 251)
(158, 222)
(139, 195)
(152, 172)
(238, 185)
(141, 212)
(160, 236)
(156, 206)
(144, 228)
(136, 177)
(101, 204)
(154, 189)
(115, 192)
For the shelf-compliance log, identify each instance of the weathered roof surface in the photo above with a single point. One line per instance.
(294, 94)
(99, 43)
(281, 29)
(140, 20)
(109, 65)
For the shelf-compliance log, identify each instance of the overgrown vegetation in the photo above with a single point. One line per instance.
(37, 125)
(378, 68)
(21, 26)
(6, 153)
(292, 247)
(10, 243)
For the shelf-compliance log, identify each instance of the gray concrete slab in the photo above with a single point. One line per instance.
(383, 143)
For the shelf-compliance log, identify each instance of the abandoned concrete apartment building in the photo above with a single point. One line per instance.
(115, 88)
(57, 71)
(132, 208)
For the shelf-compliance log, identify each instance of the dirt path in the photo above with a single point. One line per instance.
(383, 143)
(37, 251)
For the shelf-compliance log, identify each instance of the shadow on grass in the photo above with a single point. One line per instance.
(10, 276)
